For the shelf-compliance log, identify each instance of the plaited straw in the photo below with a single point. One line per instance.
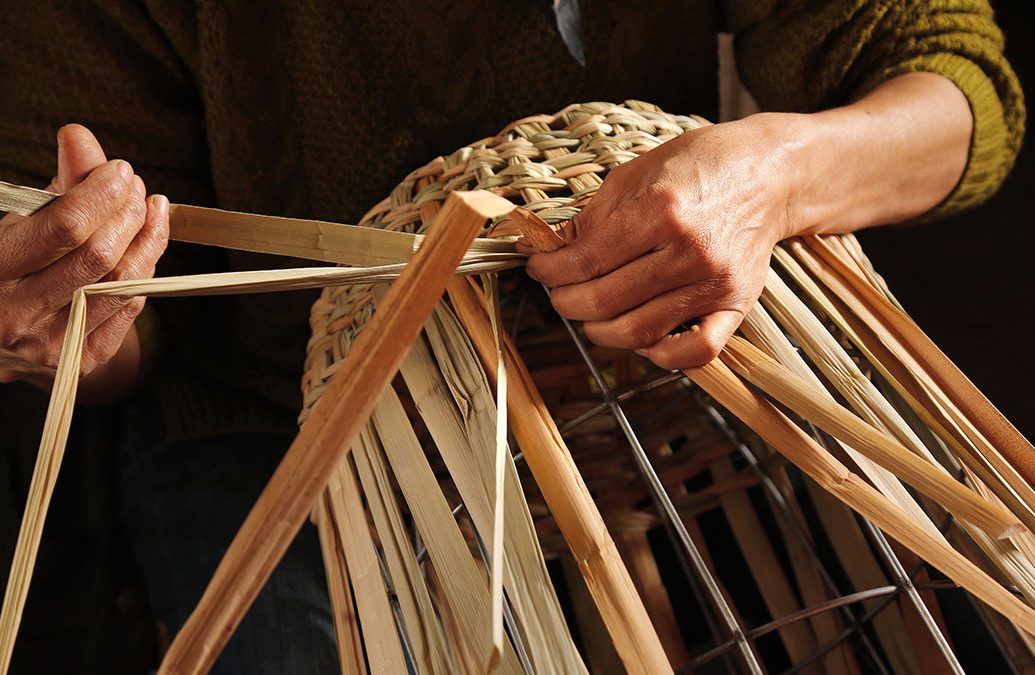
(552, 165)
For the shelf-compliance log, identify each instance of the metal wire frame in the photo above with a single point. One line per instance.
(737, 634)
(703, 583)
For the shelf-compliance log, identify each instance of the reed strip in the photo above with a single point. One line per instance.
(492, 308)
(294, 237)
(384, 653)
(463, 585)
(875, 408)
(906, 378)
(44, 477)
(784, 386)
(448, 386)
(960, 390)
(722, 384)
(422, 626)
(346, 626)
(324, 440)
(567, 496)
(762, 330)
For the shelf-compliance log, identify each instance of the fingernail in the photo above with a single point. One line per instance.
(124, 169)
(161, 204)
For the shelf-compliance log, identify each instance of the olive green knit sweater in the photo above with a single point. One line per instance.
(316, 109)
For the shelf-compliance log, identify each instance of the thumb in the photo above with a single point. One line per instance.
(79, 153)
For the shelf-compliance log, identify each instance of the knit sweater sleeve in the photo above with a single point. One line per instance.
(806, 55)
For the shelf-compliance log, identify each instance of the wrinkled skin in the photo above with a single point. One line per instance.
(674, 249)
(103, 227)
(681, 234)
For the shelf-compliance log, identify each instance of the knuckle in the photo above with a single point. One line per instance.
(584, 262)
(98, 258)
(108, 187)
(595, 306)
(710, 345)
(711, 265)
(66, 227)
(133, 310)
(641, 335)
(136, 208)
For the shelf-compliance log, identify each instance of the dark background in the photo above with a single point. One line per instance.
(969, 281)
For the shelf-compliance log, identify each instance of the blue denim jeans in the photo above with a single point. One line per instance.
(182, 503)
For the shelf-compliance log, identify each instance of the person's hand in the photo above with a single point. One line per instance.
(679, 236)
(103, 227)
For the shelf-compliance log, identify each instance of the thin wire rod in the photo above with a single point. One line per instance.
(662, 502)
(905, 580)
(627, 394)
(899, 572)
(793, 617)
(397, 617)
(850, 614)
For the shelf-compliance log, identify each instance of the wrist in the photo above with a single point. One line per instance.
(786, 141)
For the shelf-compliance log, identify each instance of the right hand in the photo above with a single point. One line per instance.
(103, 227)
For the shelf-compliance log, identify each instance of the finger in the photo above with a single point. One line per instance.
(645, 325)
(33, 243)
(600, 242)
(104, 341)
(137, 263)
(79, 153)
(626, 288)
(697, 346)
(50, 288)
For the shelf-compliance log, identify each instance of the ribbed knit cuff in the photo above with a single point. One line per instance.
(997, 133)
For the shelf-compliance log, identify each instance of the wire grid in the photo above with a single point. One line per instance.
(733, 641)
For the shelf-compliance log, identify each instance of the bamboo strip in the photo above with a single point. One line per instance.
(907, 378)
(346, 628)
(720, 382)
(422, 626)
(960, 390)
(863, 570)
(568, 498)
(761, 559)
(596, 641)
(897, 364)
(639, 558)
(872, 405)
(24, 201)
(44, 477)
(325, 438)
(492, 307)
(786, 387)
(636, 551)
(384, 653)
(449, 388)
(761, 329)
(293, 237)
(463, 586)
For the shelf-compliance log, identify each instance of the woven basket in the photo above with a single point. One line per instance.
(769, 539)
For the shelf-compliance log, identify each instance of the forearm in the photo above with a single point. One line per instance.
(893, 155)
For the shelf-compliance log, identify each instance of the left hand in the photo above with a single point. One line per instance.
(680, 235)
